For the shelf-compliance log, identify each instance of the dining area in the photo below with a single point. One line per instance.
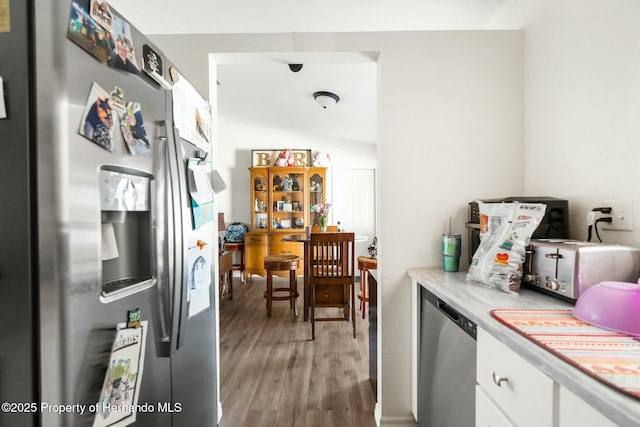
(289, 237)
(326, 260)
(327, 263)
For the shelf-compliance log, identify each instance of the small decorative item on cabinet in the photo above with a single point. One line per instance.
(299, 222)
(323, 218)
(322, 222)
(286, 184)
(295, 205)
(258, 185)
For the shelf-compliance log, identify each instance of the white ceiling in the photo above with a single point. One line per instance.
(265, 92)
(261, 89)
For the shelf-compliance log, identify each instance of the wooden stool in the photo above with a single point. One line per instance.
(237, 247)
(280, 263)
(364, 265)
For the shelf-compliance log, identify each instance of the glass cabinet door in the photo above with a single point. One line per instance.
(316, 192)
(287, 198)
(259, 199)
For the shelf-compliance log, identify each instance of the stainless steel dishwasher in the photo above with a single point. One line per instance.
(446, 365)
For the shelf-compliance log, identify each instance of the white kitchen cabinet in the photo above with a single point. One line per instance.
(525, 396)
(575, 412)
(519, 390)
(487, 413)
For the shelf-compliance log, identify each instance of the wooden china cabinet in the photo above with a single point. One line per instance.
(281, 202)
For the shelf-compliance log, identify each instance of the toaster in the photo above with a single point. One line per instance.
(566, 268)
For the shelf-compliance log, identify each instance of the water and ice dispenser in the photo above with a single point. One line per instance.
(127, 236)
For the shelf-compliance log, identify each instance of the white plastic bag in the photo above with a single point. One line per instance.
(499, 258)
(492, 216)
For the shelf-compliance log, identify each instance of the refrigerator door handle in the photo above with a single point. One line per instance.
(181, 296)
(165, 263)
(176, 268)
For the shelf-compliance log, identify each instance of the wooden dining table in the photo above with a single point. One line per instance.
(302, 238)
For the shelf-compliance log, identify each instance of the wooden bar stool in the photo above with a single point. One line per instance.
(281, 263)
(237, 247)
(364, 265)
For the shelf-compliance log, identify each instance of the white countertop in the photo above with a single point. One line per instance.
(476, 303)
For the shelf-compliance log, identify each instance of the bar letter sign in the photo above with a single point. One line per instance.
(266, 158)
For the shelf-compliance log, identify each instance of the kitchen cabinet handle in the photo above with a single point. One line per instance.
(497, 379)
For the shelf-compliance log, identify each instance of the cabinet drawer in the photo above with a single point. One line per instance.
(525, 395)
(329, 296)
(487, 413)
(288, 248)
(255, 239)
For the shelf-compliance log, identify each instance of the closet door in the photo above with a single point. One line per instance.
(354, 203)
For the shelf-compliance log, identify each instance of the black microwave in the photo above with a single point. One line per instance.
(554, 225)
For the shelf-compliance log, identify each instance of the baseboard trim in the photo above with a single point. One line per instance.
(398, 422)
(392, 421)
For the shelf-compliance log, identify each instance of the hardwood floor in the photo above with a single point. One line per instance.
(272, 374)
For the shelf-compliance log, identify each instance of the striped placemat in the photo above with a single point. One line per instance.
(610, 357)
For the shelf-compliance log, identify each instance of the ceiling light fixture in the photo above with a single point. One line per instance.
(326, 99)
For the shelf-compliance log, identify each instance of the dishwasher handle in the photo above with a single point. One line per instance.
(451, 312)
(460, 320)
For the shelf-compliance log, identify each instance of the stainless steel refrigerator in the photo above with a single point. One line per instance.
(60, 296)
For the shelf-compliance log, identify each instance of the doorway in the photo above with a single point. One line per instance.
(354, 203)
(246, 122)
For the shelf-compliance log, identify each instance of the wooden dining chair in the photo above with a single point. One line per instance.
(330, 229)
(332, 277)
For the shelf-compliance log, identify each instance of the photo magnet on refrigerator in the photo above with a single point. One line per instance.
(133, 131)
(98, 120)
(101, 14)
(134, 318)
(84, 31)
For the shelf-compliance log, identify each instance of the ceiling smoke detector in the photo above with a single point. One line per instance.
(295, 67)
(326, 99)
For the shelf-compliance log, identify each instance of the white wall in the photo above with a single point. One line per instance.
(450, 130)
(582, 105)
